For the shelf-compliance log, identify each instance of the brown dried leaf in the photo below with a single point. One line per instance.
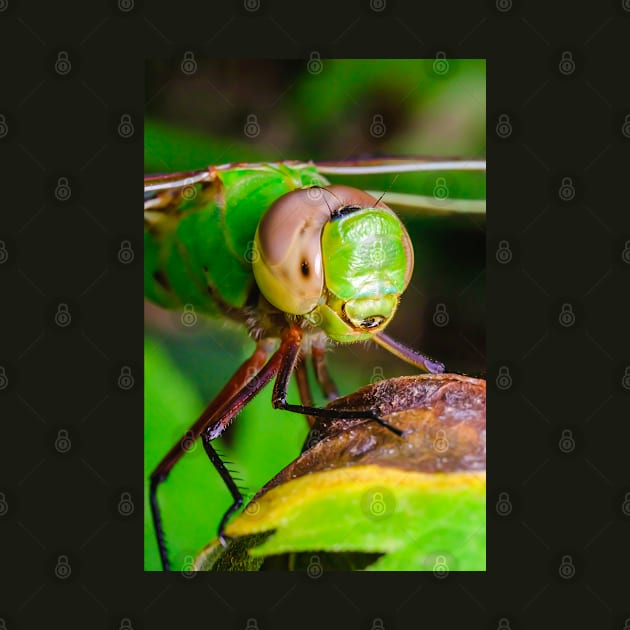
(443, 417)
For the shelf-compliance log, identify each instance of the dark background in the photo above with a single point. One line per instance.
(568, 507)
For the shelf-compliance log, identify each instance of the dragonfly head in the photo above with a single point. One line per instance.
(337, 256)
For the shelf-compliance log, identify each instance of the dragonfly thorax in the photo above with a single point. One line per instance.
(336, 256)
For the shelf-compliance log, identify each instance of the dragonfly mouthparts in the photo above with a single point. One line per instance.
(372, 322)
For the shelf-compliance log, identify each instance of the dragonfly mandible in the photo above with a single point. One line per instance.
(298, 262)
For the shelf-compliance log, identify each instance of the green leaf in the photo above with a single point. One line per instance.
(408, 504)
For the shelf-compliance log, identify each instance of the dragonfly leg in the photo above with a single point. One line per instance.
(207, 418)
(322, 374)
(230, 409)
(237, 497)
(304, 389)
(407, 354)
(289, 350)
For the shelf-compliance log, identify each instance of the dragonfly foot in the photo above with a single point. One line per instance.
(385, 424)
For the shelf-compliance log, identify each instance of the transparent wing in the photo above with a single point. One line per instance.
(162, 193)
(162, 190)
(442, 185)
(375, 166)
(429, 185)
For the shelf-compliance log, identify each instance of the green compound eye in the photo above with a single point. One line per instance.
(368, 262)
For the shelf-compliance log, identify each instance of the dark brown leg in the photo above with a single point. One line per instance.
(289, 350)
(207, 418)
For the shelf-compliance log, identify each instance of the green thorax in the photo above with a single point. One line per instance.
(199, 252)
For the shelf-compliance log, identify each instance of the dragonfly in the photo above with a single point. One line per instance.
(299, 262)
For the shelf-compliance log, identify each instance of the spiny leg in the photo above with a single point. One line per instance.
(224, 416)
(207, 418)
(237, 497)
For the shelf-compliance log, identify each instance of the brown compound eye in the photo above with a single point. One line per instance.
(287, 263)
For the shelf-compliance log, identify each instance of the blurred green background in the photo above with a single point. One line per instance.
(253, 110)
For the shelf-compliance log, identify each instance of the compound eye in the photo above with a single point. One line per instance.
(346, 196)
(408, 248)
(288, 252)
